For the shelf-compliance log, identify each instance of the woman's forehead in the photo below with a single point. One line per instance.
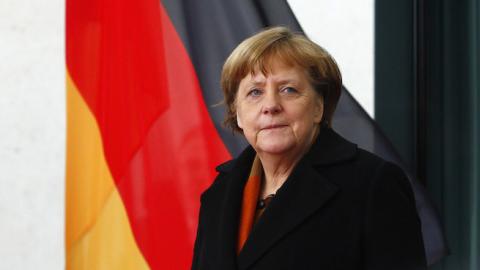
(270, 63)
(277, 71)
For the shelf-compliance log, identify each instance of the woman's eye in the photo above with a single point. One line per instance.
(289, 90)
(255, 92)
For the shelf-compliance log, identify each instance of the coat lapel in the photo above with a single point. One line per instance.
(237, 171)
(302, 194)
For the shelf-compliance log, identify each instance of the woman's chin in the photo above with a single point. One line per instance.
(274, 148)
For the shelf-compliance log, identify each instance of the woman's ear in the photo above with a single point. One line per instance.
(239, 121)
(318, 113)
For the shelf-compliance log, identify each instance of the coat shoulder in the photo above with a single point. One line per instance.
(234, 170)
(374, 165)
(220, 182)
(365, 170)
(225, 166)
(217, 184)
(368, 160)
(379, 174)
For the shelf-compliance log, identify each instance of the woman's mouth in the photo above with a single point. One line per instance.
(273, 127)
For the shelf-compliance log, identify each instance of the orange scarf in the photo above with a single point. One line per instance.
(251, 192)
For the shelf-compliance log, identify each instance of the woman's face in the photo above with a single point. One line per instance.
(278, 112)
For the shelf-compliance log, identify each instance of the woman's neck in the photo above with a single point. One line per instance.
(275, 172)
(277, 168)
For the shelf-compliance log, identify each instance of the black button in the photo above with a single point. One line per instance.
(261, 204)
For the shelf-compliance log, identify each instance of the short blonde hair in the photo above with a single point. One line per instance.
(256, 52)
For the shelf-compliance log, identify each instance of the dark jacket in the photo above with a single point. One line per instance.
(341, 208)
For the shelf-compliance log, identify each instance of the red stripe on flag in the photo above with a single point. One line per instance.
(160, 144)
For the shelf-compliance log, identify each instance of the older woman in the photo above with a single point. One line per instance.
(300, 196)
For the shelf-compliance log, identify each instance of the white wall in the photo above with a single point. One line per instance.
(32, 132)
(32, 112)
(345, 29)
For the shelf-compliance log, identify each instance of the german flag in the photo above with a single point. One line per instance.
(143, 135)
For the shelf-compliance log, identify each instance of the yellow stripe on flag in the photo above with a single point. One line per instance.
(98, 233)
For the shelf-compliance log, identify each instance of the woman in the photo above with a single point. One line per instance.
(300, 196)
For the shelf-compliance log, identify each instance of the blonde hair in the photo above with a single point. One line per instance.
(256, 53)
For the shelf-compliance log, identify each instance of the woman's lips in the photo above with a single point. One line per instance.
(271, 127)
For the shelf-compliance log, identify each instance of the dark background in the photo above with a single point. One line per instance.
(427, 101)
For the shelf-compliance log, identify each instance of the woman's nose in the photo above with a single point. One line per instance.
(271, 104)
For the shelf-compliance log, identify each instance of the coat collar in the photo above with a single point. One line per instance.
(304, 192)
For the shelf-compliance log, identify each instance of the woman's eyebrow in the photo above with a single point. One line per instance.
(253, 82)
(260, 82)
(287, 81)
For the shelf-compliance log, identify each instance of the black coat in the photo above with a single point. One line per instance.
(341, 208)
